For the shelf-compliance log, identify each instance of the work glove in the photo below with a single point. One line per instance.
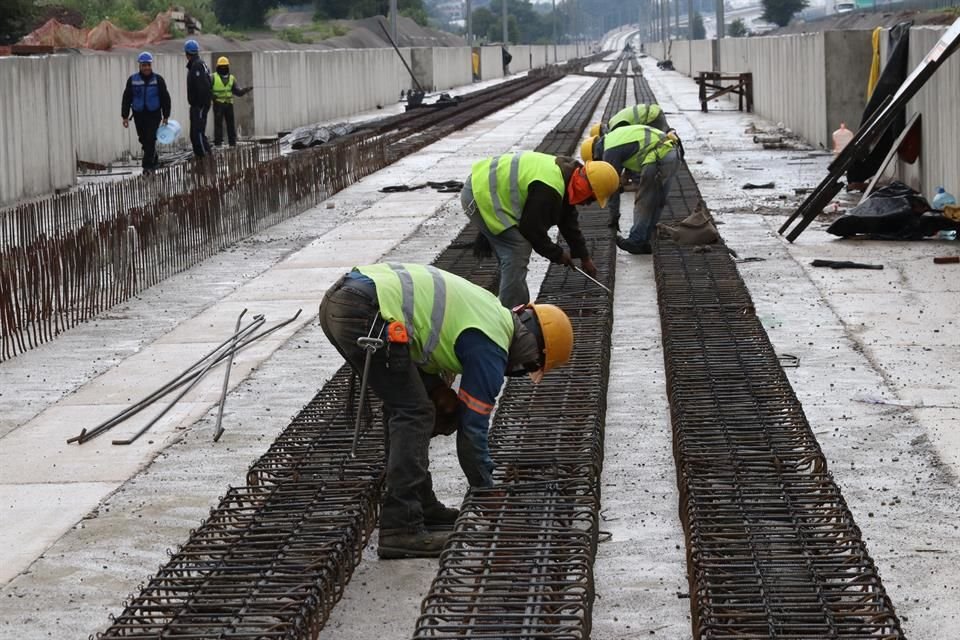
(446, 410)
(565, 259)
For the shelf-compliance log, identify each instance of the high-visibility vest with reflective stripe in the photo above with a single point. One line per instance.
(654, 144)
(637, 114)
(500, 185)
(436, 307)
(223, 92)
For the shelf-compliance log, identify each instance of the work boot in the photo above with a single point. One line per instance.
(636, 248)
(438, 517)
(407, 543)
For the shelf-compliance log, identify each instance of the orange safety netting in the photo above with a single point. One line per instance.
(102, 37)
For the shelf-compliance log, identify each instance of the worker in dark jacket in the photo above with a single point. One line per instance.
(516, 198)
(199, 94)
(225, 86)
(435, 325)
(147, 96)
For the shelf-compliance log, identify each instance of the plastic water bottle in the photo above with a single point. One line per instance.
(942, 199)
(167, 133)
(841, 138)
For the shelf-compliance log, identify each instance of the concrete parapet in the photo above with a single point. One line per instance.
(939, 107)
(491, 63)
(810, 82)
(36, 132)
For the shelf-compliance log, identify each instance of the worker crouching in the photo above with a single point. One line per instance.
(434, 324)
(514, 199)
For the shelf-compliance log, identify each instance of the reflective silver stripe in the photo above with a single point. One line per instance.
(495, 195)
(502, 215)
(406, 296)
(515, 186)
(636, 114)
(436, 314)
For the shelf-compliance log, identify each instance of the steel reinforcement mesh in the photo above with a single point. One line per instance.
(772, 549)
(274, 556)
(520, 561)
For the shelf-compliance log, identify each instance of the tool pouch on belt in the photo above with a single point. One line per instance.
(398, 347)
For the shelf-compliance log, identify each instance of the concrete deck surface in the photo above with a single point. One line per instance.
(81, 526)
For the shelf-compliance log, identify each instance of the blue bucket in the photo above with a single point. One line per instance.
(167, 133)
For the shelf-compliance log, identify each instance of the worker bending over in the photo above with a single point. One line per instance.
(435, 324)
(647, 160)
(147, 96)
(516, 198)
(224, 88)
(646, 114)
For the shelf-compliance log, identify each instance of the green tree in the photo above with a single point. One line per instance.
(780, 12)
(243, 13)
(737, 29)
(16, 17)
(699, 31)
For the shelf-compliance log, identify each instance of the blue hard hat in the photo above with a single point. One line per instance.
(145, 58)
(191, 46)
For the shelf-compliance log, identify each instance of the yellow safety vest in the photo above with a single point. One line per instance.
(500, 185)
(654, 144)
(223, 93)
(436, 307)
(637, 114)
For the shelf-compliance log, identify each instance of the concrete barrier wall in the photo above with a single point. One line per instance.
(810, 82)
(298, 87)
(789, 83)
(939, 107)
(491, 63)
(55, 109)
(36, 136)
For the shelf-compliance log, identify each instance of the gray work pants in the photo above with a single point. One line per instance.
(651, 197)
(510, 247)
(347, 313)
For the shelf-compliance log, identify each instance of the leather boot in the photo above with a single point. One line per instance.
(438, 517)
(407, 543)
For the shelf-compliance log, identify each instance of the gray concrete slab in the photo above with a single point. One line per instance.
(875, 375)
(76, 559)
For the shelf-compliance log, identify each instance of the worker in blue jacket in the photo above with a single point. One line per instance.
(147, 97)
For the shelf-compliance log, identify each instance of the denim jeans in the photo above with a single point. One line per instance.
(510, 247)
(347, 313)
(652, 195)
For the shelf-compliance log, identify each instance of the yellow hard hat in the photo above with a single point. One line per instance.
(557, 335)
(586, 148)
(223, 61)
(595, 129)
(603, 180)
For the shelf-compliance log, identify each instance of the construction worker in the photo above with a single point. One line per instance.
(435, 324)
(198, 96)
(514, 200)
(147, 96)
(224, 88)
(647, 114)
(647, 159)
